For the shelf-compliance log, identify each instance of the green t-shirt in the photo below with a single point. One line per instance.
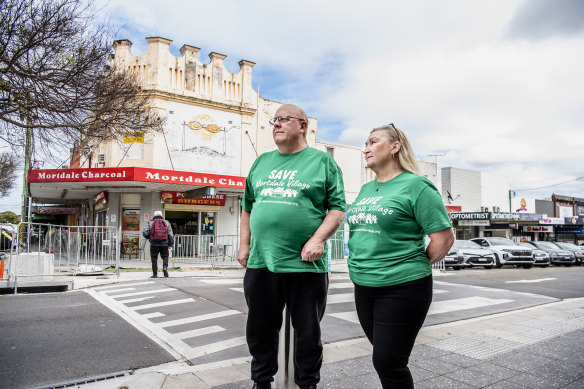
(387, 224)
(288, 196)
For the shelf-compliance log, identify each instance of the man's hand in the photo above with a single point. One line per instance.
(243, 255)
(312, 250)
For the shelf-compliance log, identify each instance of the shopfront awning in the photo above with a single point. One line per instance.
(76, 185)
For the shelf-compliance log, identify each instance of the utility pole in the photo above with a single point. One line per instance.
(25, 191)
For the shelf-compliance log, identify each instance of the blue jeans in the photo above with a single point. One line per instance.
(391, 317)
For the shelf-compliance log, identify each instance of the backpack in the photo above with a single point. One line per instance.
(158, 230)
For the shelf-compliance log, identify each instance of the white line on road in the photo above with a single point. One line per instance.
(340, 298)
(116, 290)
(195, 319)
(224, 282)
(463, 303)
(162, 304)
(341, 285)
(438, 291)
(137, 299)
(348, 316)
(240, 290)
(123, 285)
(153, 291)
(152, 315)
(530, 281)
(198, 332)
(215, 347)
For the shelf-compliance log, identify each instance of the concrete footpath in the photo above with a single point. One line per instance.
(536, 347)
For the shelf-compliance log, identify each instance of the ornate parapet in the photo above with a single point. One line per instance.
(160, 70)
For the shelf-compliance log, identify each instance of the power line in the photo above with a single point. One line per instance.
(547, 186)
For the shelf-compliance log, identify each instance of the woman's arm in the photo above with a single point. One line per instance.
(440, 243)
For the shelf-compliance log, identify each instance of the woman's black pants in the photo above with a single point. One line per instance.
(266, 294)
(391, 317)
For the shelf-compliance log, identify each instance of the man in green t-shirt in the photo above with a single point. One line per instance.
(294, 201)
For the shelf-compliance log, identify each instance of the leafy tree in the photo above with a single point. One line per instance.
(9, 217)
(56, 82)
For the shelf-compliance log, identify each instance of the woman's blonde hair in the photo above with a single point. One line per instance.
(405, 155)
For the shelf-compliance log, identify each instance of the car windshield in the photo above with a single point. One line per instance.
(466, 244)
(568, 246)
(501, 242)
(546, 245)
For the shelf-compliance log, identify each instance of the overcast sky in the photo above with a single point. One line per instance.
(495, 85)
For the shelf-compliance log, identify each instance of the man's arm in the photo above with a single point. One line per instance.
(146, 231)
(314, 248)
(244, 239)
(170, 234)
(440, 243)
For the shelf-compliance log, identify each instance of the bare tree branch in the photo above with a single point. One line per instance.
(55, 78)
(8, 166)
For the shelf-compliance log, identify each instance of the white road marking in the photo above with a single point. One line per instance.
(198, 332)
(153, 291)
(340, 298)
(137, 299)
(223, 282)
(348, 316)
(194, 319)
(341, 285)
(153, 315)
(117, 290)
(438, 291)
(214, 347)
(99, 288)
(162, 304)
(240, 290)
(463, 303)
(530, 281)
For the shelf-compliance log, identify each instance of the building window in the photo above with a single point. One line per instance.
(330, 151)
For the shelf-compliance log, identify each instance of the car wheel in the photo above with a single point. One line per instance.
(488, 267)
(568, 264)
(497, 262)
(527, 266)
(545, 265)
(456, 267)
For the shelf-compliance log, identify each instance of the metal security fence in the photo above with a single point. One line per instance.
(43, 251)
(220, 250)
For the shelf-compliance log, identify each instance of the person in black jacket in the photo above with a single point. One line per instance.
(159, 246)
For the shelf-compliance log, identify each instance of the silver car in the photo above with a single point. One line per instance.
(507, 252)
(540, 257)
(474, 254)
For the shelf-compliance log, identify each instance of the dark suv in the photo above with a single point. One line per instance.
(577, 250)
(558, 256)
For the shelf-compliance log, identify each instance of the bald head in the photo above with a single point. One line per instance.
(293, 110)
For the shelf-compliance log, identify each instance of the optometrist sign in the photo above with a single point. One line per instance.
(469, 215)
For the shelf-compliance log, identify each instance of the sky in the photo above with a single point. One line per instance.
(489, 85)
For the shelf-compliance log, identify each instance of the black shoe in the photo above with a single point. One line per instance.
(165, 273)
(262, 385)
(154, 276)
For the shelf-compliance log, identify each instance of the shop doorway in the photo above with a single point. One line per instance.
(191, 223)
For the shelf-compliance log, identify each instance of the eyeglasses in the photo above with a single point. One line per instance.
(284, 119)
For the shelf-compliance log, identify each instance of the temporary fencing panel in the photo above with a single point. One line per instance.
(45, 251)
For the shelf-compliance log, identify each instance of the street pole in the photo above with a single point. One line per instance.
(25, 191)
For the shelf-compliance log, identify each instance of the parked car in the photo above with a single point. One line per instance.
(540, 257)
(474, 254)
(558, 256)
(454, 259)
(577, 250)
(507, 252)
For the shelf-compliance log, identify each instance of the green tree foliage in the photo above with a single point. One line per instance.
(9, 217)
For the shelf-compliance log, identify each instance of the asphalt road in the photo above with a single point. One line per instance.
(558, 282)
(60, 337)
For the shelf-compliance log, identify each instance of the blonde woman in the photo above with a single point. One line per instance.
(388, 261)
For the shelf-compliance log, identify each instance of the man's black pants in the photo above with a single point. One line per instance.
(154, 250)
(266, 294)
(391, 318)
